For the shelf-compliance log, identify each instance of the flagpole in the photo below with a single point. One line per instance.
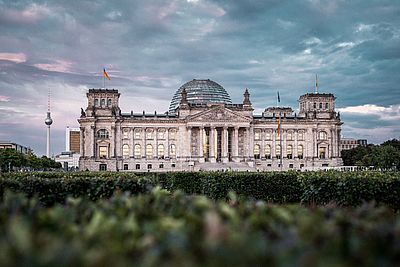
(104, 81)
(280, 138)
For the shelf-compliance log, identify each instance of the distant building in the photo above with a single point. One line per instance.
(350, 143)
(15, 146)
(70, 157)
(72, 139)
(204, 130)
(68, 160)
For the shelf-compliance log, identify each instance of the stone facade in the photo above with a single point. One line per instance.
(209, 136)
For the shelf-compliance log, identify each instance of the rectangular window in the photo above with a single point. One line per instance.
(161, 135)
(125, 167)
(137, 135)
(103, 167)
(103, 152)
(126, 134)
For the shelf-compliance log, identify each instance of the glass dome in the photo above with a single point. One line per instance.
(200, 92)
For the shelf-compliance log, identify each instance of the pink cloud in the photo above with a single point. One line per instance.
(58, 65)
(4, 98)
(14, 57)
(29, 15)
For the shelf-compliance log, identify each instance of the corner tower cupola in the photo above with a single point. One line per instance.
(103, 103)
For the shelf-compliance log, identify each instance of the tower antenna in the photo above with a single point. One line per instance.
(48, 121)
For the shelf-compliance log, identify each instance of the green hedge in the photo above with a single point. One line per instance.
(343, 188)
(163, 229)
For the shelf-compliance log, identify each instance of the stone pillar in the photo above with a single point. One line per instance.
(167, 148)
(262, 149)
(131, 142)
(273, 146)
(294, 152)
(144, 142)
(235, 144)
(189, 152)
(155, 148)
(224, 145)
(246, 143)
(81, 142)
(93, 128)
(201, 140)
(212, 144)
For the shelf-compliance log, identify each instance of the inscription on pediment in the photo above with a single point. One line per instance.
(218, 115)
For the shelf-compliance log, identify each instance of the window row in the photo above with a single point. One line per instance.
(150, 134)
(102, 102)
(269, 135)
(149, 166)
(137, 151)
(268, 151)
(103, 134)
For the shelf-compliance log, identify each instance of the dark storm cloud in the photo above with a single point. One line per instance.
(152, 47)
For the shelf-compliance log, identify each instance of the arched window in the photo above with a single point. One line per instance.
(289, 136)
(109, 102)
(267, 151)
(160, 151)
(289, 151)
(326, 105)
(103, 102)
(149, 151)
(172, 152)
(278, 151)
(125, 151)
(322, 135)
(320, 105)
(102, 133)
(300, 151)
(315, 105)
(257, 151)
(138, 151)
(96, 102)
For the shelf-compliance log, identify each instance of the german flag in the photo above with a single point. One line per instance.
(279, 125)
(105, 74)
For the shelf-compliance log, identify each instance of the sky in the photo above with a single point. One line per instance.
(150, 48)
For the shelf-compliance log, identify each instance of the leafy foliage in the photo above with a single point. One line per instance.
(164, 229)
(343, 188)
(384, 156)
(10, 159)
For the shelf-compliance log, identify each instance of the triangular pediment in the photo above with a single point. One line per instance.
(218, 114)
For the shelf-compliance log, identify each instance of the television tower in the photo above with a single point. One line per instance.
(48, 121)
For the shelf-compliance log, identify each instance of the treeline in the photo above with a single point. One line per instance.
(11, 160)
(384, 156)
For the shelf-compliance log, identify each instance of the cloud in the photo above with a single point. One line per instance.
(58, 65)
(14, 57)
(384, 113)
(30, 14)
(4, 98)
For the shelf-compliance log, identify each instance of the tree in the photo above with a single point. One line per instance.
(10, 158)
(386, 157)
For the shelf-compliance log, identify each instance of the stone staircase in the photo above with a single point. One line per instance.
(219, 166)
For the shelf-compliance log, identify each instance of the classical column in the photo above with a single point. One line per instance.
(201, 140)
(235, 144)
(131, 142)
(81, 142)
(189, 154)
(144, 142)
(262, 152)
(247, 144)
(212, 144)
(224, 145)
(167, 149)
(155, 148)
(93, 127)
(294, 152)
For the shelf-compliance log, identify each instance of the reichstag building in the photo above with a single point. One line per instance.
(204, 130)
